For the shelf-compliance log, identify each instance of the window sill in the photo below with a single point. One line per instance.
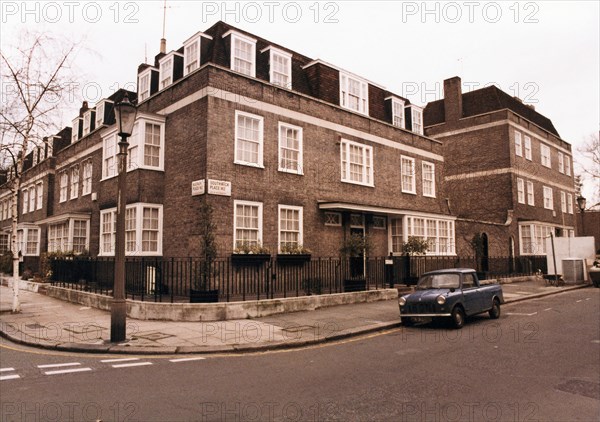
(297, 173)
(410, 192)
(243, 163)
(358, 183)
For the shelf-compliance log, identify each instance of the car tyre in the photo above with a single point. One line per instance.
(495, 311)
(458, 317)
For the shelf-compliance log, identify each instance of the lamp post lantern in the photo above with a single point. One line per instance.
(581, 202)
(125, 113)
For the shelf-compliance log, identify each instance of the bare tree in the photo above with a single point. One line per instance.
(35, 78)
(589, 166)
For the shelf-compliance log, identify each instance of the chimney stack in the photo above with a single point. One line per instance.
(453, 99)
(163, 45)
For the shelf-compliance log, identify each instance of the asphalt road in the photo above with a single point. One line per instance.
(539, 362)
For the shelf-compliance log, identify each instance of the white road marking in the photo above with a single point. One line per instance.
(67, 371)
(547, 309)
(84, 308)
(587, 298)
(127, 365)
(185, 359)
(6, 369)
(520, 313)
(581, 300)
(9, 377)
(59, 365)
(118, 360)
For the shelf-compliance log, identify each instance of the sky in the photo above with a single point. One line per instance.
(544, 52)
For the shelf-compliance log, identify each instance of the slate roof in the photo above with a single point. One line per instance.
(486, 100)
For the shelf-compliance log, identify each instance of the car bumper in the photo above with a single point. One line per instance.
(424, 315)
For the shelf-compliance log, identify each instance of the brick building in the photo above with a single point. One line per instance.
(508, 174)
(287, 150)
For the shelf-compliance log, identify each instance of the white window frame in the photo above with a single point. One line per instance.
(367, 171)
(86, 182)
(561, 162)
(32, 197)
(430, 233)
(39, 192)
(137, 142)
(408, 169)
(25, 204)
(235, 37)
(23, 240)
(283, 126)
(67, 240)
(570, 203)
(398, 113)
(300, 232)
(144, 91)
(287, 74)
(527, 147)
(425, 172)
(139, 229)
(259, 205)
(567, 165)
(75, 129)
(518, 144)
(166, 80)
(63, 186)
(520, 190)
(563, 202)
(363, 97)
(191, 61)
(530, 194)
(548, 198)
(414, 112)
(74, 181)
(87, 123)
(379, 222)
(538, 234)
(545, 158)
(333, 219)
(35, 156)
(259, 141)
(100, 108)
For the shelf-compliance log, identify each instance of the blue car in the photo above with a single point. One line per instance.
(453, 293)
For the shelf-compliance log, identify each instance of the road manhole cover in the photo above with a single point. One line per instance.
(153, 336)
(581, 387)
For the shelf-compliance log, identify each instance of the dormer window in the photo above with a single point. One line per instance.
(415, 114)
(166, 71)
(398, 112)
(280, 67)
(144, 84)
(35, 156)
(417, 120)
(191, 55)
(354, 93)
(87, 123)
(243, 53)
(100, 110)
(75, 131)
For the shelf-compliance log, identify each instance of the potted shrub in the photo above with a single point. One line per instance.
(291, 253)
(202, 293)
(413, 246)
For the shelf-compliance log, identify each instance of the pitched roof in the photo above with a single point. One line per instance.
(486, 100)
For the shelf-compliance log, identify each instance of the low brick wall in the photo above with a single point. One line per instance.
(220, 311)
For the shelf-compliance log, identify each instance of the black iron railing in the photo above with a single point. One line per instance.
(263, 277)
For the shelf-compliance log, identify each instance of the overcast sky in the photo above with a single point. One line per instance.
(545, 52)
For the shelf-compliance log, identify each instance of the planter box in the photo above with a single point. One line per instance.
(293, 259)
(355, 285)
(204, 296)
(249, 259)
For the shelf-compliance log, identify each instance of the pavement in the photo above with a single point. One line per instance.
(51, 323)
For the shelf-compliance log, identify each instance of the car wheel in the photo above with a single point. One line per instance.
(458, 317)
(408, 322)
(495, 311)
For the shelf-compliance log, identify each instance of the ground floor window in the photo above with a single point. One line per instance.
(143, 230)
(290, 227)
(533, 238)
(69, 236)
(247, 222)
(438, 233)
(4, 243)
(28, 241)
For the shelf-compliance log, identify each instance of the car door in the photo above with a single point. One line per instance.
(472, 300)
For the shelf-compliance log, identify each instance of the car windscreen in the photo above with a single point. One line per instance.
(439, 281)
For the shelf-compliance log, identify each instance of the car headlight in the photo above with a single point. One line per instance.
(440, 300)
(402, 301)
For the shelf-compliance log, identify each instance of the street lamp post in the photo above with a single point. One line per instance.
(581, 202)
(125, 117)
